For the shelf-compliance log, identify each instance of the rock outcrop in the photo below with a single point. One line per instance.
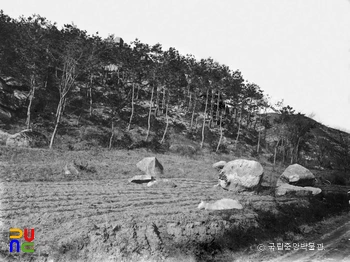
(219, 165)
(296, 175)
(241, 175)
(11, 99)
(151, 167)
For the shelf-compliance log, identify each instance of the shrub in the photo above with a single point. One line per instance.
(184, 150)
(338, 178)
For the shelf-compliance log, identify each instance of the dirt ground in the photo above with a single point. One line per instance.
(99, 216)
(332, 235)
(336, 247)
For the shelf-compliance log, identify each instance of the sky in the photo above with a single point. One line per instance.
(295, 50)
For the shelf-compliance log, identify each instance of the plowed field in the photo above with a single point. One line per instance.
(98, 215)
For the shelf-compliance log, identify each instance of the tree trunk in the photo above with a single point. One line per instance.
(235, 113)
(218, 115)
(90, 95)
(163, 101)
(157, 101)
(137, 93)
(297, 151)
(132, 106)
(283, 152)
(66, 83)
(193, 110)
(189, 102)
(217, 148)
(239, 128)
(31, 96)
(58, 119)
(265, 129)
(211, 108)
(205, 111)
(186, 96)
(256, 121)
(64, 106)
(248, 120)
(258, 147)
(167, 123)
(274, 157)
(149, 113)
(112, 135)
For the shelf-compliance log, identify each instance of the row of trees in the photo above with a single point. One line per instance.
(60, 65)
(293, 134)
(43, 57)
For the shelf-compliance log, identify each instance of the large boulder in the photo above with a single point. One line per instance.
(296, 180)
(219, 165)
(27, 138)
(11, 98)
(151, 167)
(296, 175)
(241, 175)
(286, 189)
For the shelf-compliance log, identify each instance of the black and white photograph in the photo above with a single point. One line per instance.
(175, 131)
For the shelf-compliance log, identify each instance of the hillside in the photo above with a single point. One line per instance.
(81, 91)
(77, 112)
(323, 147)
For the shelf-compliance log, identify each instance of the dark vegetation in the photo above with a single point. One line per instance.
(82, 92)
(86, 93)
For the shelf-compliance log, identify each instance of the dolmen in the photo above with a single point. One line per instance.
(297, 180)
(239, 175)
(153, 172)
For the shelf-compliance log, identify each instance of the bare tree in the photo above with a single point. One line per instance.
(167, 122)
(204, 117)
(221, 134)
(112, 135)
(239, 128)
(132, 106)
(66, 83)
(31, 97)
(149, 113)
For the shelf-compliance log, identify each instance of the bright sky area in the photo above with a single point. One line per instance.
(296, 50)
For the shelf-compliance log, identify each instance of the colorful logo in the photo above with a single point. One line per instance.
(26, 247)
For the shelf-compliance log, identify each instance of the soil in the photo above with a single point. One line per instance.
(99, 216)
(332, 235)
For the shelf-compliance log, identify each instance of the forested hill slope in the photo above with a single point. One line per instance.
(82, 91)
